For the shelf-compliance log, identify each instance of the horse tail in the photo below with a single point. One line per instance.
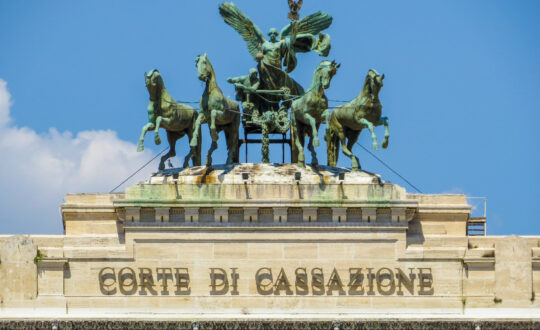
(332, 142)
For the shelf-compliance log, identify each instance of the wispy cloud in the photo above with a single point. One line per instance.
(37, 170)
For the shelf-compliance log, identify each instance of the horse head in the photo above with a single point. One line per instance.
(153, 82)
(204, 68)
(325, 71)
(373, 83)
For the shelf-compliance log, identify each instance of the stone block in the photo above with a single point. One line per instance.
(251, 214)
(191, 214)
(339, 214)
(309, 214)
(18, 272)
(369, 214)
(398, 214)
(221, 214)
(133, 214)
(513, 271)
(301, 251)
(280, 214)
(162, 214)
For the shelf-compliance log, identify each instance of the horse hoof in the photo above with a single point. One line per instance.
(316, 142)
(158, 140)
(375, 146)
(385, 144)
(193, 143)
(140, 148)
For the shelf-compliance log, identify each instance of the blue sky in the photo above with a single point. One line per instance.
(461, 87)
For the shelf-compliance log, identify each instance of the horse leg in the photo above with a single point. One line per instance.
(157, 139)
(148, 126)
(299, 143)
(213, 147)
(384, 121)
(314, 160)
(228, 138)
(171, 137)
(213, 132)
(313, 123)
(352, 137)
(197, 130)
(191, 153)
(369, 125)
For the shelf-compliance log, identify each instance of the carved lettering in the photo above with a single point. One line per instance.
(425, 281)
(407, 281)
(107, 281)
(317, 281)
(335, 284)
(218, 281)
(282, 284)
(362, 281)
(181, 276)
(356, 279)
(128, 281)
(264, 281)
(146, 282)
(234, 282)
(164, 275)
(385, 281)
(301, 282)
(370, 278)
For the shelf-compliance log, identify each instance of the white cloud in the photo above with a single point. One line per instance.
(38, 170)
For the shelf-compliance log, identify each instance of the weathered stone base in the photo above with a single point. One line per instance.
(272, 324)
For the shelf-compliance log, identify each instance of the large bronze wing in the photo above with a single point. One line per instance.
(243, 25)
(312, 24)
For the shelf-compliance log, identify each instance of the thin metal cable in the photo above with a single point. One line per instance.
(137, 171)
(388, 166)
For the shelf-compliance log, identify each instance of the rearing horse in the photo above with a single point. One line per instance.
(176, 118)
(310, 110)
(218, 111)
(348, 120)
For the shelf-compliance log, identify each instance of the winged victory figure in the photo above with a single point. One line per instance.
(281, 48)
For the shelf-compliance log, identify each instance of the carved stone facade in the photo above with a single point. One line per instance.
(268, 241)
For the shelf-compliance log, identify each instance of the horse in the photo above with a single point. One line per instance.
(218, 111)
(176, 118)
(310, 110)
(348, 120)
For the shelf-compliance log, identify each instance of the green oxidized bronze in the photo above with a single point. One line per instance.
(266, 94)
(261, 104)
(310, 110)
(347, 121)
(177, 119)
(219, 112)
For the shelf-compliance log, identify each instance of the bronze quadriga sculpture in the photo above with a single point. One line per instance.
(347, 121)
(176, 118)
(267, 93)
(220, 113)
